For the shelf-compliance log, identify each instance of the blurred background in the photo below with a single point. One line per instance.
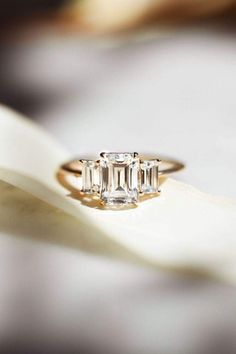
(146, 75)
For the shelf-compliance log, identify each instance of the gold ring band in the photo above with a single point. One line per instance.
(167, 166)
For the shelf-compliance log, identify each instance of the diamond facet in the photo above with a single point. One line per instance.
(119, 178)
(90, 176)
(149, 176)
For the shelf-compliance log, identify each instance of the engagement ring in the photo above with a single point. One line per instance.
(120, 178)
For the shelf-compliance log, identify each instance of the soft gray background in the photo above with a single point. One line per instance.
(173, 94)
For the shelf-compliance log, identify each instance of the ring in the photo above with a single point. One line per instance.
(120, 178)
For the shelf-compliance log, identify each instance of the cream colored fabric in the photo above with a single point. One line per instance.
(183, 229)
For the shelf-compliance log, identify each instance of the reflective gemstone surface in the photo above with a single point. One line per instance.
(149, 176)
(119, 178)
(90, 176)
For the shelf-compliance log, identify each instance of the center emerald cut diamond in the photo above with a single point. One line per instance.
(119, 178)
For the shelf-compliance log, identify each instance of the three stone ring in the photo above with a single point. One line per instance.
(120, 178)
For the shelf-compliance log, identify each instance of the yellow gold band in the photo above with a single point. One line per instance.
(167, 166)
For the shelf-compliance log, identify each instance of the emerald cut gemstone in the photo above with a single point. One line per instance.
(149, 176)
(119, 178)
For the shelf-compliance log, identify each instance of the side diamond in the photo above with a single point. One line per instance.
(149, 176)
(90, 176)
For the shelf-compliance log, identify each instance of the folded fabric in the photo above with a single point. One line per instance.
(182, 230)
